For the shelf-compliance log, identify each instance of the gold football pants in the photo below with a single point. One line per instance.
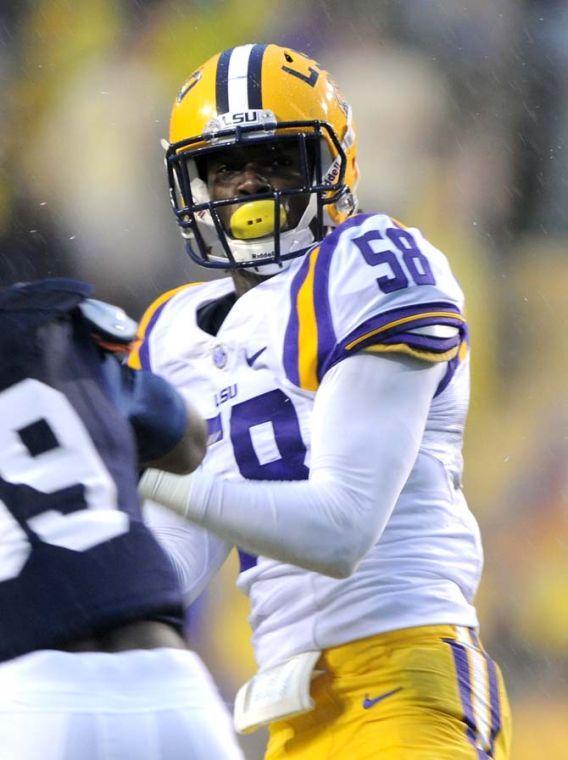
(428, 693)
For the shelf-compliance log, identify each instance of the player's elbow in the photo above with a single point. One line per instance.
(339, 565)
(338, 568)
(346, 550)
(347, 533)
(351, 552)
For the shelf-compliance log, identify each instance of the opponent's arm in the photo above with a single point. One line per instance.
(169, 432)
(368, 421)
(188, 452)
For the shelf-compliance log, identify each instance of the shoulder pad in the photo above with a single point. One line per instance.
(371, 285)
(109, 322)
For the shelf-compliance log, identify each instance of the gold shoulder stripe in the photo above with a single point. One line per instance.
(308, 329)
(402, 321)
(402, 348)
(155, 305)
(399, 224)
(134, 358)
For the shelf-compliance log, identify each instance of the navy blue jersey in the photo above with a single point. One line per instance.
(75, 556)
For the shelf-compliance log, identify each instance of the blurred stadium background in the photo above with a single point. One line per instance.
(462, 115)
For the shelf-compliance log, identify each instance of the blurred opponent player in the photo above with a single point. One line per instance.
(93, 665)
(332, 366)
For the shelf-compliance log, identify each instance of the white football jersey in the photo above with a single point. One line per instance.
(371, 285)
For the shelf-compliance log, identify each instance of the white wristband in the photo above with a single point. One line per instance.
(173, 491)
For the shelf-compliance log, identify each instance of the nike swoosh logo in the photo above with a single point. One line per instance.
(251, 359)
(367, 703)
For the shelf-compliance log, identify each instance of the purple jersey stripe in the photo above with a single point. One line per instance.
(326, 338)
(495, 702)
(326, 334)
(423, 342)
(464, 685)
(453, 364)
(144, 351)
(475, 638)
(214, 430)
(415, 315)
(346, 347)
(290, 359)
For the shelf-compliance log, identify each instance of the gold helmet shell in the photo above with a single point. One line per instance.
(256, 92)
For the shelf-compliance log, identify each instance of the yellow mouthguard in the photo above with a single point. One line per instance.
(255, 219)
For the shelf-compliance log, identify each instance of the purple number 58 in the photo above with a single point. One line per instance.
(415, 261)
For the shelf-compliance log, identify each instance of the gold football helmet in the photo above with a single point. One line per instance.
(256, 97)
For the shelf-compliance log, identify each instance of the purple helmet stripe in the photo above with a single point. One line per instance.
(222, 81)
(254, 77)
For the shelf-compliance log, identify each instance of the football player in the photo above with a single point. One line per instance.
(332, 367)
(93, 662)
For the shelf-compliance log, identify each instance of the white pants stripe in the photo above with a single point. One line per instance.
(480, 698)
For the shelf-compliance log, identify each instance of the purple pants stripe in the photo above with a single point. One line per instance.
(464, 684)
(495, 702)
(494, 696)
(475, 638)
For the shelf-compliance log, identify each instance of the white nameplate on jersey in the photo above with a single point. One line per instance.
(276, 693)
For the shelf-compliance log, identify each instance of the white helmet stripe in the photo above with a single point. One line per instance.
(238, 80)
